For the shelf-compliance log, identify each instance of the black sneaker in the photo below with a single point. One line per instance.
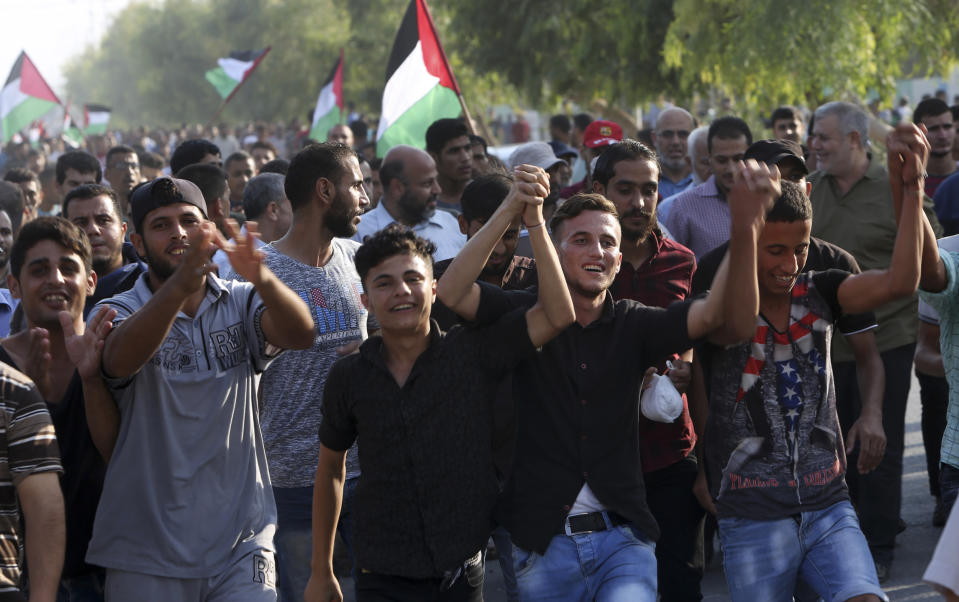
(939, 515)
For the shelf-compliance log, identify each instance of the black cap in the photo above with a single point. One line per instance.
(160, 193)
(771, 152)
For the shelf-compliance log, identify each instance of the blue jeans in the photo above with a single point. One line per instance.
(618, 564)
(294, 536)
(764, 558)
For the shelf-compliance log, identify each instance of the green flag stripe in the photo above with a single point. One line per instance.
(24, 114)
(223, 83)
(318, 132)
(410, 127)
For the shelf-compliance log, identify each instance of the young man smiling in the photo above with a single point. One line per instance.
(575, 504)
(187, 512)
(419, 399)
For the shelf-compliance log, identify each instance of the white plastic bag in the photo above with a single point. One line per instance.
(661, 402)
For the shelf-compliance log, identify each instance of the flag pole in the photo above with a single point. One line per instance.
(446, 63)
(238, 86)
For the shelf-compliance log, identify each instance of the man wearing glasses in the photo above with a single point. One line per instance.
(672, 131)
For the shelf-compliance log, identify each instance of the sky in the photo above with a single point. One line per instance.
(51, 32)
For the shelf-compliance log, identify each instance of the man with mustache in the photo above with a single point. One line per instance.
(410, 192)
(658, 271)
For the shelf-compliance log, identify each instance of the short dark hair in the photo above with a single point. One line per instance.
(376, 164)
(578, 203)
(478, 141)
(560, 122)
(280, 166)
(930, 107)
(48, 175)
(624, 150)
(327, 160)
(955, 112)
(11, 201)
(388, 242)
(260, 191)
(728, 128)
(360, 129)
(239, 155)
(190, 152)
(442, 131)
(264, 144)
(79, 161)
(17, 175)
(91, 191)
(785, 112)
(483, 195)
(151, 160)
(61, 231)
(582, 120)
(792, 205)
(121, 149)
(210, 179)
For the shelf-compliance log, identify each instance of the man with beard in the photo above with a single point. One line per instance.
(315, 259)
(123, 173)
(699, 217)
(95, 210)
(410, 194)
(186, 511)
(658, 271)
(673, 127)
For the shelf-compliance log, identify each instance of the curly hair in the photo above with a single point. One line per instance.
(391, 240)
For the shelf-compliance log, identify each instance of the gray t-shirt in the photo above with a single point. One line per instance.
(188, 486)
(292, 389)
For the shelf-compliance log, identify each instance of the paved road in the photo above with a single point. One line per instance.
(915, 545)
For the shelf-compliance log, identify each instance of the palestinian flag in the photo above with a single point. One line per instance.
(24, 98)
(329, 105)
(95, 118)
(233, 71)
(420, 87)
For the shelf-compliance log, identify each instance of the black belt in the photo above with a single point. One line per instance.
(592, 521)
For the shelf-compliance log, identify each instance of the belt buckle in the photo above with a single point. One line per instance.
(567, 529)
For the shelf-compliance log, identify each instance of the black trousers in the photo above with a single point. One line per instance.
(934, 394)
(374, 587)
(679, 551)
(878, 495)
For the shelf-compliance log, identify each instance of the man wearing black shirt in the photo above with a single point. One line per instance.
(575, 504)
(419, 400)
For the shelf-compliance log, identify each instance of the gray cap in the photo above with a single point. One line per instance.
(539, 154)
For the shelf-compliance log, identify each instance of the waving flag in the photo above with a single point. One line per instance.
(25, 97)
(95, 118)
(71, 133)
(420, 87)
(329, 105)
(234, 70)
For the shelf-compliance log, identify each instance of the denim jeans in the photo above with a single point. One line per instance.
(764, 558)
(618, 564)
(294, 536)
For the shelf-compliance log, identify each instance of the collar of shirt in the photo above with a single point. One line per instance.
(382, 218)
(373, 351)
(214, 290)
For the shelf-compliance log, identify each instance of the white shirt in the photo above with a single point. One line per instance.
(441, 229)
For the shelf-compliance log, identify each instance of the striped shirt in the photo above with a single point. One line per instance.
(698, 218)
(28, 445)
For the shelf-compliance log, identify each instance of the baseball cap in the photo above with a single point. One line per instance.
(534, 153)
(602, 133)
(160, 193)
(771, 152)
(561, 149)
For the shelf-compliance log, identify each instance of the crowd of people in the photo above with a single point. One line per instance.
(227, 352)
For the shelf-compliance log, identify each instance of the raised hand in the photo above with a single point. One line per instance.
(85, 348)
(756, 186)
(907, 154)
(530, 188)
(244, 257)
(37, 365)
(190, 275)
